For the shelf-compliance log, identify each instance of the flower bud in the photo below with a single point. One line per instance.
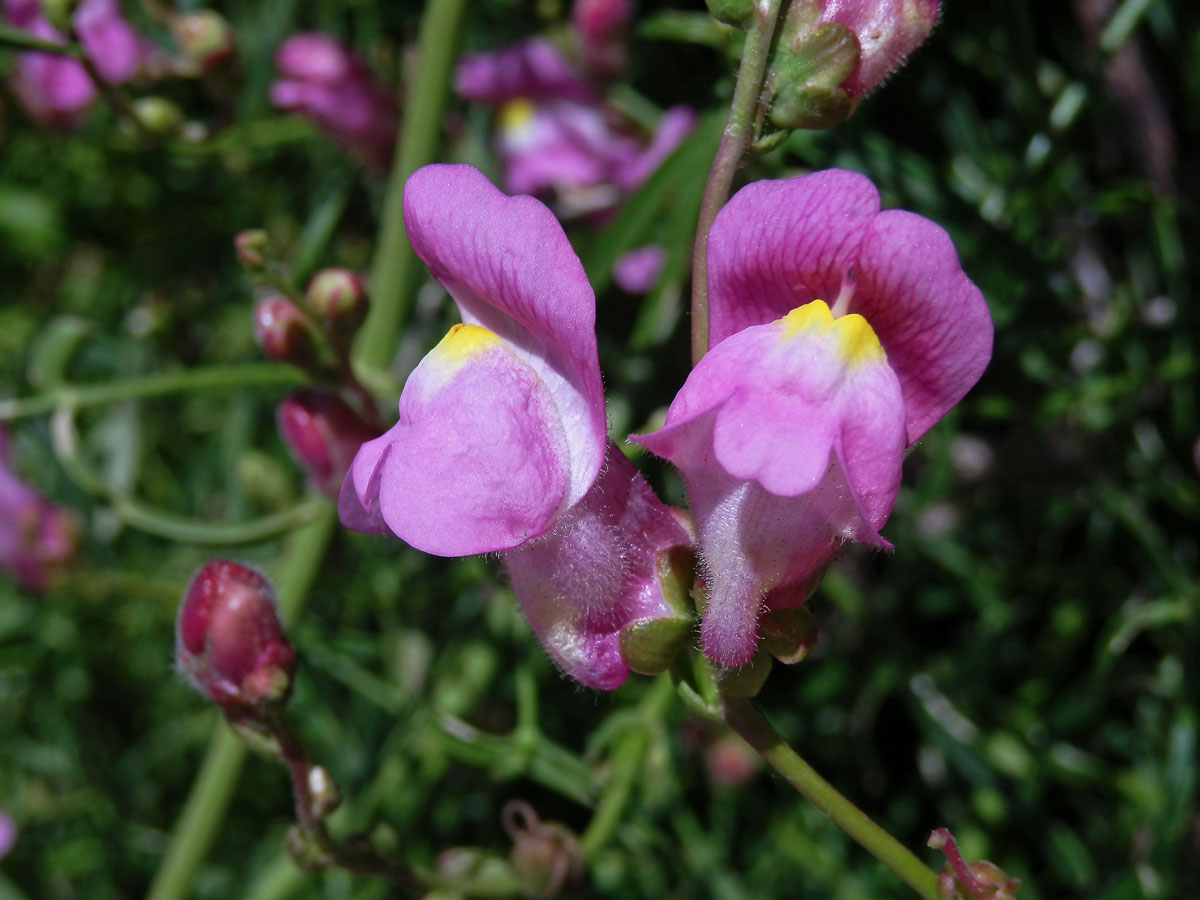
(831, 52)
(229, 642)
(545, 855)
(979, 880)
(284, 333)
(337, 299)
(887, 32)
(323, 433)
(250, 246)
(205, 39)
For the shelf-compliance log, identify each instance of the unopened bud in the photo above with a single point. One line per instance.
(979, 880)
(831, 52)
(283, 332)
(251, 246)
(158, 115)
(323, 434)
(205, 38)
(545, 855)
(887, 32)
(338, 300)
(229, 642)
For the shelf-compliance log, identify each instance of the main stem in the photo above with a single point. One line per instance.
(391, 272)
(743, 717)
(736, 138)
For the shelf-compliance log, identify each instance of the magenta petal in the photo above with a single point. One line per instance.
(509, 267)
(478, 459)
(777, 245)
(358, 502)
(931, 318)
(597, 572)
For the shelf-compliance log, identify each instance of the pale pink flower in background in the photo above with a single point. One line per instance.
(8, 833)
(322, 79)
(637, 271)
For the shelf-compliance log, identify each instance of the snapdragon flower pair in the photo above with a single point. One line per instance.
(839, 335)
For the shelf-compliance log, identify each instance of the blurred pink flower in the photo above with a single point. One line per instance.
(36, 536)
(637, 271)
(791, 431)
(322, 79)
(555, 138)
(56, 89)
(8, 833)
(323, 434)
(501, 443)
(601, 31)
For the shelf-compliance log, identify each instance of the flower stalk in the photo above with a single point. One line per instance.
(744, 717)
(738, 134)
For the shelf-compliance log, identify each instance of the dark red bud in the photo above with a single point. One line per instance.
(283, 332)
(323, 434)
(229, 642)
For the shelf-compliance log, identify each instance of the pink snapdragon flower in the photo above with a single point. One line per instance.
(56, 89)
(322, 79)
(501, 444)
(791, 432)
(36, 536)
(554, 137)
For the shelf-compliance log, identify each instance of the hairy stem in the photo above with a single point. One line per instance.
(743, 717)
(739, 132)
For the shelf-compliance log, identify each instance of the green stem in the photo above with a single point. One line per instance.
(212, 378)
(743, 717)
(191, 531)
(210, 794)
(626, 764)
(734, 142)
(392, 270)
(22, 40)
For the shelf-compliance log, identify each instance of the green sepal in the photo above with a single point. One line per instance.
(650, 646)
(788, 634)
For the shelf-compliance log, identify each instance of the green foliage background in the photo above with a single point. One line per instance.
(1023, 669)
